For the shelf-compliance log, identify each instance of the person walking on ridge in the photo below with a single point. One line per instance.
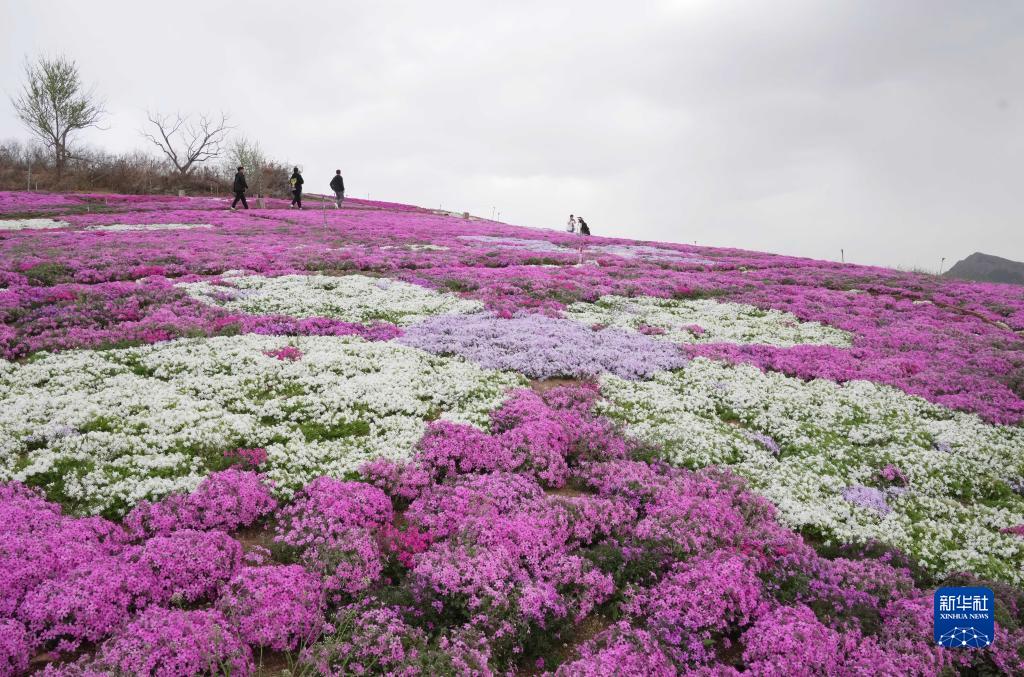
(239, 188)
(338, 186)
(571, 226)
(296, 183)
(584, 228)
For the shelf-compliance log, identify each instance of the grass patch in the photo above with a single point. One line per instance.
(54, 482)
(319, 432)
(100, 424)
(456, 285)
(48, 274)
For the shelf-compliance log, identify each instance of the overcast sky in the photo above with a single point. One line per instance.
(893, 130)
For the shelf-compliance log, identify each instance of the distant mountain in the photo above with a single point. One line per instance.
(987, 268)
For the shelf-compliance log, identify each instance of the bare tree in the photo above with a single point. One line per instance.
(187, 143)
(53, 105)
(243, 152)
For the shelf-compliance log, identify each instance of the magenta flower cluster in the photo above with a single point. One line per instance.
(248, 459)
(280, 607)
(65, 580)
(286, 354)
(168, 642)
(332, 528)
(226, 501)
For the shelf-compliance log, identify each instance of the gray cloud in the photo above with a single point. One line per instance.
(892, 130)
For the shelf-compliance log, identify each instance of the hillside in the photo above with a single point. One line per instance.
(387, 439)
(987, 268)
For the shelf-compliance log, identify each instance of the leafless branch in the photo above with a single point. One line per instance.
(185, 142)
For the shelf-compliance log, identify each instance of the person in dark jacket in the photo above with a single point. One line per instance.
(584, 228)
(296, 183)
(338, 186)
(239, 188)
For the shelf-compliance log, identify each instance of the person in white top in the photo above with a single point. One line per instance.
(571, 226)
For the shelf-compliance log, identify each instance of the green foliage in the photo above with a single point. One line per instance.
(56, 481)
(134, 363)
(643, 567)
(700, 294)
(48, 274)
(100, 424)
(543, 261)
(315, 431)
(457, 285)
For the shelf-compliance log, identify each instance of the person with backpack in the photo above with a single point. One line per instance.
(239, 187)
(338, 186)
(296, 183)
(584, 228)
(571, 226)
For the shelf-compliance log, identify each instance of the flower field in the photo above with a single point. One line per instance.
(384, 440)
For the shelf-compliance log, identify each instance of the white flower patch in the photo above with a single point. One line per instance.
(632, 251)
(352, 298)
(515, 243)
(31, 224)
(705, 321)
(832, 437)
(102, 430)
(124, 227)
(416, 247)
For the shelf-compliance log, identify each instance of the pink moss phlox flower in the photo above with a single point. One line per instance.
(529, 433)
(447, 507)
(904, 620)
(84, 605)
(176, 642)
(370, 638)
(697, 602)
(186, 566)
(403, 481)
(287, 353)
(404, 544)
(508, 547)
(450, 449)
(791, 640)
(333, 524)
(327, 506)
(225, 500)
(620, 650)
(14, 647)
(280, 325)
(280, 607)
(847, 585)
(38, 543)
(892, 475)
(248, 459)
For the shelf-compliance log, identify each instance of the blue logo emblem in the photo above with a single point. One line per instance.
(964, 617)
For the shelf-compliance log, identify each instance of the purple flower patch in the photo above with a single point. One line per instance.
(544, 347)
